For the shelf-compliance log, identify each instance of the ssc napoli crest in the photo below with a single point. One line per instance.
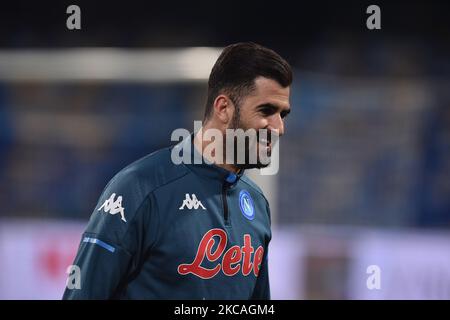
(246, 205)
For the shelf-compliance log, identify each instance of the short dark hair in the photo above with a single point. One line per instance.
(238, 66)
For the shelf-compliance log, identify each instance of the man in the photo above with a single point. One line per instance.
(192, 231)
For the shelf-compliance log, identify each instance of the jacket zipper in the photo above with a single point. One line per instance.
(225, 203)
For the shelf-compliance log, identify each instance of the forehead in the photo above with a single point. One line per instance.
(269, 91)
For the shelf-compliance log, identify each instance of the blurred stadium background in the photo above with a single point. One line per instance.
(365, 163)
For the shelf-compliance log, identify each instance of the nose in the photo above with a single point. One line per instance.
(277, 124)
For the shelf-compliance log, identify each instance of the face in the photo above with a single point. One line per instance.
(265, 108)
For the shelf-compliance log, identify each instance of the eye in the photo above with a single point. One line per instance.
(268, 110)
(284, 114)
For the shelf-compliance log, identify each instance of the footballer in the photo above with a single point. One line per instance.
(162, 230)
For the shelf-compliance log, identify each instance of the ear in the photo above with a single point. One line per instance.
(223, 109)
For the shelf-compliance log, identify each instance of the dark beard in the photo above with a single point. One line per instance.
(250, 146)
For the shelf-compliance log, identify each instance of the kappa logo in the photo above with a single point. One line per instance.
(191, 202)
(114, 207)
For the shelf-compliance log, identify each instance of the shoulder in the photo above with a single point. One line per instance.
(127, 199)
(137, 181)
(249, 182)
(149, 172)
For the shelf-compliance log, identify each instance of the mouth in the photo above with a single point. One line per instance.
(265, 143)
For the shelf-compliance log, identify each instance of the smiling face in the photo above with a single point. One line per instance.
(264, 108)
(248, 89)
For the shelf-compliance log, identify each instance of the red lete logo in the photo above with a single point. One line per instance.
(231, 261)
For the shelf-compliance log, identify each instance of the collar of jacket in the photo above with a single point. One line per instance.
(205, 168)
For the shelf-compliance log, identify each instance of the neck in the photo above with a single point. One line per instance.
(200, 145)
